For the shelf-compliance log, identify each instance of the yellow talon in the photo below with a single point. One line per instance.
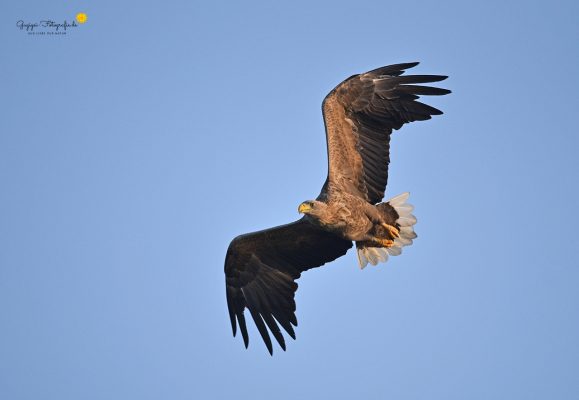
(387, 242)
(394, 232)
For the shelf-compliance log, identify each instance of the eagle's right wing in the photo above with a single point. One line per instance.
(261, 269)
(360, 114)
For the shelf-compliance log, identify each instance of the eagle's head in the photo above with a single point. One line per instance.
(312, 208)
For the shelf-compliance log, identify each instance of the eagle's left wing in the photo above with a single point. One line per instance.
(261, 269)
(360, 114)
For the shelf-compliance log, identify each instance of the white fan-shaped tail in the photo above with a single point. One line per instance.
(406, 221)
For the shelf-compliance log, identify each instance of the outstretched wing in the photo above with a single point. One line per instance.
(360, 114)
(260, 270)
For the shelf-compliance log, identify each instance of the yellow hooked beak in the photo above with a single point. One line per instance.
(304, 208)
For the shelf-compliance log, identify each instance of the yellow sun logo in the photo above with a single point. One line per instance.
(81, 18)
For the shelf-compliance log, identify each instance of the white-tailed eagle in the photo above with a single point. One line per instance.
(359, 114)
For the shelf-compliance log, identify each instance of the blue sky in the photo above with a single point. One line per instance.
(134, 148)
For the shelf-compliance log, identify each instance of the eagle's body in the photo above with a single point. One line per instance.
(359, 115)
(344, 215)
(348, 216)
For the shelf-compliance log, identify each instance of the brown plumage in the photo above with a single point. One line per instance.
(359, 115)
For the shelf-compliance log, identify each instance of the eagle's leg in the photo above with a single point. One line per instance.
(394, 232)
(383, 242)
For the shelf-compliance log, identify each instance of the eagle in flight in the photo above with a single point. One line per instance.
(359, 114)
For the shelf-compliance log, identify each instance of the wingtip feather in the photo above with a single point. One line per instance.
(393, 69)
(243, 328)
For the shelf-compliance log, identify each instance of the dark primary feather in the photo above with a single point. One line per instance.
(373, 104)
(260, 273)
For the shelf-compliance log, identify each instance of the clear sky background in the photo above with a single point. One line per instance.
(133, 149)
